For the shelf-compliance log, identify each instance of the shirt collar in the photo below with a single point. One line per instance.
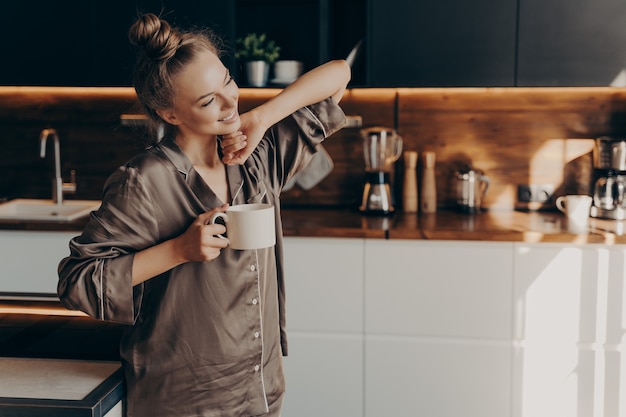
(183, 164)
(173, 152)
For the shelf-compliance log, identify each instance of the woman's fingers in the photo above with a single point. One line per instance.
(233, 142)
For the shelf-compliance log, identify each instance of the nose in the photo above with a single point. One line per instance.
(230, 95)
(229, 101)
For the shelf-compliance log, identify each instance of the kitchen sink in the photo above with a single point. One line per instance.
(45, 210)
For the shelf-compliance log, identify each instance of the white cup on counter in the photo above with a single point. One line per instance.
(286, 71)
(248, 226)
(576, 208)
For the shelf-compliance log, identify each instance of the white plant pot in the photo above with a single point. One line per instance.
(257, 72)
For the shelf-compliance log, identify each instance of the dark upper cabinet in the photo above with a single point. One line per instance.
(115, 56)
(441, 43)
(85, 43)
(571, 43)
(408, 43)
(47, 43)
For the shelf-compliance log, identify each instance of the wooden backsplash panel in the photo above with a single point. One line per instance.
(515, 135)
(66, 105)
(94, 142)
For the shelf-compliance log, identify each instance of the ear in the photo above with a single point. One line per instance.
(169, 116)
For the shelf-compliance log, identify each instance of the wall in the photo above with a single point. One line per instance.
(515, 135)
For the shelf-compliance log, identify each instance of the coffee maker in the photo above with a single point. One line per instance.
(381, 148)
(609, 195)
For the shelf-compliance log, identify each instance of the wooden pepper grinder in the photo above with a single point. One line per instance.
(409, 188)
(428, 197)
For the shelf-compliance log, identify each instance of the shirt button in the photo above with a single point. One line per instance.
(254, 301)
(256, 335)
(256, 368)
(252, 267)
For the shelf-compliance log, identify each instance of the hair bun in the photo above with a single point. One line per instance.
(157, 38)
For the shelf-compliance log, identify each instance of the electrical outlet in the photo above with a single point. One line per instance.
(534, 193)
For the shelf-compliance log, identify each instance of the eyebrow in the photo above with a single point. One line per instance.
(211, 93)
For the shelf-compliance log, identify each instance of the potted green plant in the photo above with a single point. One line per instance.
(259, 52)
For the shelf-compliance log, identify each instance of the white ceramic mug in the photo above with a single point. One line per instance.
(248, 226)
(287, 70)
(576, 208)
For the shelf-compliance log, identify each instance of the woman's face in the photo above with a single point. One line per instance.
(205, 99)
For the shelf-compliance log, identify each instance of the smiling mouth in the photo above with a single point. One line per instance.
(230, 116)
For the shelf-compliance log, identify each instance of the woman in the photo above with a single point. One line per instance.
(206, 322)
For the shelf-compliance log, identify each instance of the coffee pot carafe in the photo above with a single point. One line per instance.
(381, 148)
(609, 197)
(609, 161)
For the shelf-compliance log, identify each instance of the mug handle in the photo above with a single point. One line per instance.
(224, 217)
(560, 203)
(486, 181)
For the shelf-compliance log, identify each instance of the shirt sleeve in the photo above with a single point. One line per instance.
(289, 145)
(97, 276)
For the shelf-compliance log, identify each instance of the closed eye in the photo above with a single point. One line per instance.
(208, 102)
(229, 79)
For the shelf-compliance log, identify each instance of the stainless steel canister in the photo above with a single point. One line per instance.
(471, 188)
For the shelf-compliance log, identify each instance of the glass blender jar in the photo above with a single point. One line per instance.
(381, 148)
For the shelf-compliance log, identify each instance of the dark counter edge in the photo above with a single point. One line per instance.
(96, 404)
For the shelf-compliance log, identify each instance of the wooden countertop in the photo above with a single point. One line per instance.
(499, 226)
(512, 226)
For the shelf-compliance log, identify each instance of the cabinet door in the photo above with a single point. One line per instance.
(46, 43)
(324, 369)
(436, 377)
(324, 375)
(30, 261)
(571, 43)
(324, 280)
(438, 288)
(438, 328)
(85, 43)
(440, 43)
(114, 56)
(569, 328)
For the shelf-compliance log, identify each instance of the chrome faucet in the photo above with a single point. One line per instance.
(58, 186)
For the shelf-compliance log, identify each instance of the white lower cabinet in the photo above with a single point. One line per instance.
(570, 330)
(324, 369)
(324, 374)
(414, 376)
(438, 328)
(30, 260)
(429, 328)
